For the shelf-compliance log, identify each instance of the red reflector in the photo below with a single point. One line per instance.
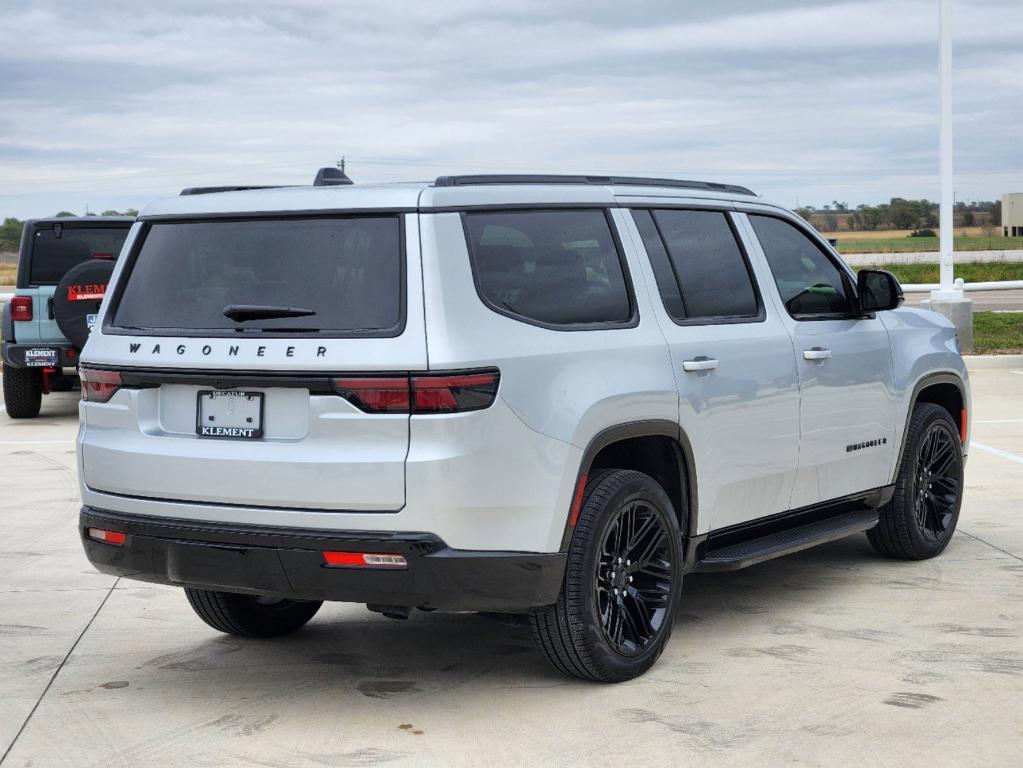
(99, 386)
(450, 393)
(21, 308)
(107, 537)
(962, 427)
(577, 501)
(364, 560)
(376, 394)
(102, 255)
(69, 353)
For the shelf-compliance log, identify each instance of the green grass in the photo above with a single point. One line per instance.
(980, 272)
(916, 244)
(997, 333)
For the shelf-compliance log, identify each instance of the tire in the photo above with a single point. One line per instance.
(70, 310)
(920, 519)
(249, 615)
(578, 633)
(23, 392)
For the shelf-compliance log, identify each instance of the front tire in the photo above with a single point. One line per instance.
(250, 615)
(920, 519)
(622, 582)
(23, 392)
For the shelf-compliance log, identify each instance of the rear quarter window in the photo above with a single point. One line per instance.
(556, 268)
(345, 274)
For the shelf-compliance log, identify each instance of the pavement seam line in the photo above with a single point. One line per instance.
(57, 671)
(982, 541)
(997, 452)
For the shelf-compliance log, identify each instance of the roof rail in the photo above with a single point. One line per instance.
(212, 190)
(634, 181)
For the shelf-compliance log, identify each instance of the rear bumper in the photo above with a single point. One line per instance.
(14, 354)
(288, 562)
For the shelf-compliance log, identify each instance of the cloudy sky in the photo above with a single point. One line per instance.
(113, 104)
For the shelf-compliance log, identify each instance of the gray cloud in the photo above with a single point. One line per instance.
(115, 105)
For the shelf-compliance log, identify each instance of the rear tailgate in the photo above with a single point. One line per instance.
(242, 411)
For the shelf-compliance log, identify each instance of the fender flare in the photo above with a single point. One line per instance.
(645, 428)
(925, 381)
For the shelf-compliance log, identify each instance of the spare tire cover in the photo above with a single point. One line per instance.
(78, 295)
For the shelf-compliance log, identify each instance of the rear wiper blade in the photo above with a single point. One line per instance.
(242, 312)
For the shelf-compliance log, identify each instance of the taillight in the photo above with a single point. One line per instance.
(99, 386)
(421, 393)
(454, 393)
(375, 394)
(21, 308)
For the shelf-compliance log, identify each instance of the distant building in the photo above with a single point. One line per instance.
(1012, 214)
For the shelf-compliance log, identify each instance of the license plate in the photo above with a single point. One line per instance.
(40, 358)
(229, 414)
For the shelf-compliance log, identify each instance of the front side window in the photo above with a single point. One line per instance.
(56, 250)
(558, 268)
(337, 276)
(809, 282)
(700, 269)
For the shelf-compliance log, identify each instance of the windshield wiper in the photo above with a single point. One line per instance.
(242, 312)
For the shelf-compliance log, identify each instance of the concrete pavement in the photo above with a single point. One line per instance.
(833, 656)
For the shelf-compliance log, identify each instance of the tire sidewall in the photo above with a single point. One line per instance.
(924, 419)
(582, 597)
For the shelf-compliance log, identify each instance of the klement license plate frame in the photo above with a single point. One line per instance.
(41, 357)
(235, 423)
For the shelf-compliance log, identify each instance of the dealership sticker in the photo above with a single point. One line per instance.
(86, 292)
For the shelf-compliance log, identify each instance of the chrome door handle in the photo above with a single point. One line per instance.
(817, 353)
(699, 364)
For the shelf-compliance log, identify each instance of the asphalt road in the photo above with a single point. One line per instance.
(833, 656)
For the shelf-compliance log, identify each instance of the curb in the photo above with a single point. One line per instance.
(989, 362)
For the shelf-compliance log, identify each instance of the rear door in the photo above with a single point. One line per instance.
(846, 374)
(56, 248)
(232, 335)
(738, 395)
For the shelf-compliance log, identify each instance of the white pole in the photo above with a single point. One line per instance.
(947, 195)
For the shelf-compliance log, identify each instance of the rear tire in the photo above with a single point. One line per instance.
(920, 519)
(250, 615)
(622, 582)
(23, 392)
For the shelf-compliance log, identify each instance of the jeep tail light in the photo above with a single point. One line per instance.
(21, 308)
(454, 393)
(99, 386)
(107, 537)
(364, 560)
(420, 393)
(375, 394)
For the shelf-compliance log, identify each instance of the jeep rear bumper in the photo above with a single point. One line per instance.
(14, 355)
(289, 562)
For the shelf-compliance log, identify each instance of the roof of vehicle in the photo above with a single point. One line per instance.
(446, 193)
(84, 220)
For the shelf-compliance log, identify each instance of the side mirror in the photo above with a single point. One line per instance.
(877, 290)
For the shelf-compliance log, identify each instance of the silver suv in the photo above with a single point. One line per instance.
(545, 396)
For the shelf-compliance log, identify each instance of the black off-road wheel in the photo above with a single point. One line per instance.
(920, 519)
(250, 615)
(23, 392)
(622, 582)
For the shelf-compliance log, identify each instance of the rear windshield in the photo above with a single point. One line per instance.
(54, 253)
(340, 275)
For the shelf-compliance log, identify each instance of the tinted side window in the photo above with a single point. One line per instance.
(555, 267)
(808, 281)
(702, 257)
(53, 256)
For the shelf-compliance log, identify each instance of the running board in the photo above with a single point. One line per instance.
(744, 553)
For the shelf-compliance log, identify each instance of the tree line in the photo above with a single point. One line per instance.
(899, 213)
(10, 230)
